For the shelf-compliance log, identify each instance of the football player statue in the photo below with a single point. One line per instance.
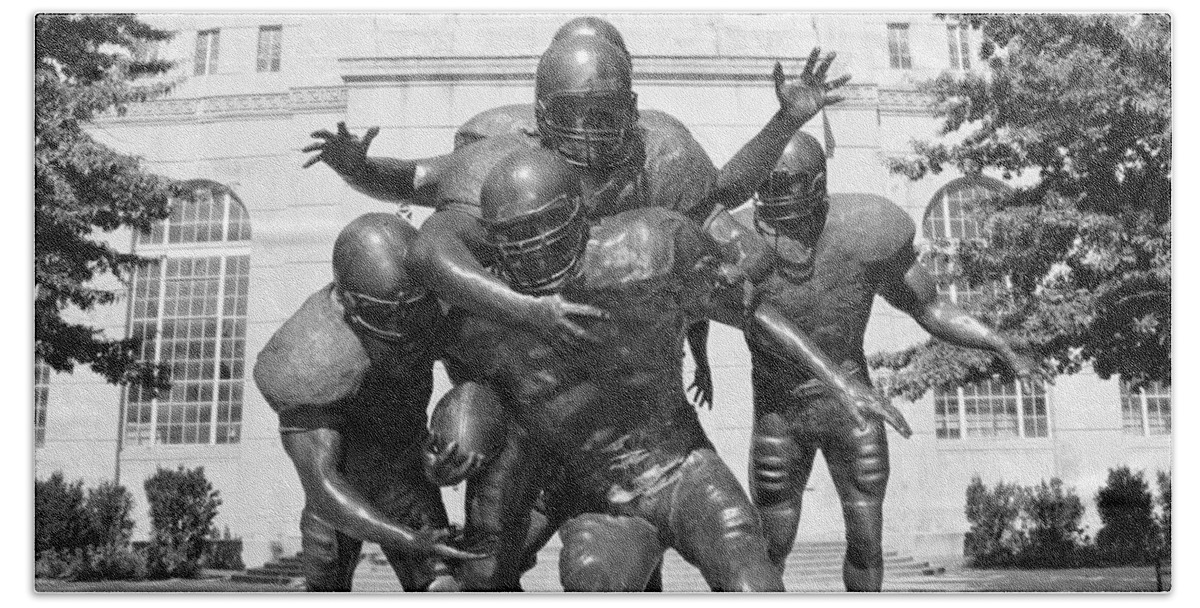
(587, 112)
(834, 254)
(350, 375)
(612, 419)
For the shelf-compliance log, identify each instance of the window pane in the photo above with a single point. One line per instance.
(41, 394)
(1037, 423)
(898, 52)
(956, 37)
(991, 409)
(191, 315)
(1151, 404)
(269, 47)
(207, 43)
(946, 405)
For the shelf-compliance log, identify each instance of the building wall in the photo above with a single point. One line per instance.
(418, 76)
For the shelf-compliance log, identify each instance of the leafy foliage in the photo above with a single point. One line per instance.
(1127, 511)
(84, 66)
(1054, 514)
(60, 519)
(991, 514)
(84, 538)
(1081, 102)
(183, 505)
(1164, 518)
(108, 509)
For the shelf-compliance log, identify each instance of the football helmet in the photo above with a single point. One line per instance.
(592, 26)
(532, 205)
(379, 295)
(793, 200)
(585, 106)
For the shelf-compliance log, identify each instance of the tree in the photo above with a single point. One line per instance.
(86, 65)
(1081, 102)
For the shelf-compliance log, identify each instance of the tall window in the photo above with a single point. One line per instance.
(985, 409)
(899, 56)
(189, 308)
(957, 39)
(41, 393)
(208, 43)
(270, 39)
(1147, 410)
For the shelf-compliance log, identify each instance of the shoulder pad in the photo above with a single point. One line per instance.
(514, 118)
(879, 227)
(464, 175)
(313, 359)
(658, 119)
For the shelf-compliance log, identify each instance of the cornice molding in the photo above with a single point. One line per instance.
(388, 71)
(298, 100)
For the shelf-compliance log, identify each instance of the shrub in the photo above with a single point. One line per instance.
(1016, 526)
(1164, 519)
(60, 521)
(992, 516)
(182, 506)
(1127, 513)
(1054, 515)
(108, 507)
(58, 563)
(223, 554)
(112, 562)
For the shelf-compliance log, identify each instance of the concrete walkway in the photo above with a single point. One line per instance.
(817, 569)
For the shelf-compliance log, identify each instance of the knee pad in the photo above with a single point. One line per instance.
(871, 465)
(772, 456)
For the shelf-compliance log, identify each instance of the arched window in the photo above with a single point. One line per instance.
(189, 308)
(949, 219)
(986, 409)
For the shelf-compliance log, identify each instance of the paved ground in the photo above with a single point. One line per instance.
(679, 577)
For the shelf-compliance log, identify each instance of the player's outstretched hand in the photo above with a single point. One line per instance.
(701, 389)
(865, 402)
(443, 542)
(343, 151)
(809, 93)
(560, 322)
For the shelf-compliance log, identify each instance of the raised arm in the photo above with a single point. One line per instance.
(316, 454)
(387, 179)
(914, 291)
(799, 102)
(447, 259)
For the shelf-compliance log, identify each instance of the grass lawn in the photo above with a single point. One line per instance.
(1132, 578)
